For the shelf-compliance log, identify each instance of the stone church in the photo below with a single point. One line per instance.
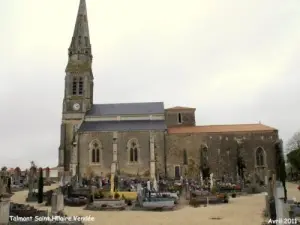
(146, 138)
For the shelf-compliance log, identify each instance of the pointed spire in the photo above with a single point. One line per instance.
(80, 43)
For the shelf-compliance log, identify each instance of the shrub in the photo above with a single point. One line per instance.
(214, 190)
(110, 196)
(41, 187)
(101, 195)
(194, 203)
(9, 184)
(226, 198)
(128, 202)
(117, 195)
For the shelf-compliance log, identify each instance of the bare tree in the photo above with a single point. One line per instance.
(293, 143)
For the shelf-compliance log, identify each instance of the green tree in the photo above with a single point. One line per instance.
(293, 158)
(41, 187)
(9, 184)
(280, 163)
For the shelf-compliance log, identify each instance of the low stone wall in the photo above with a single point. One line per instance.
(108, 204)
(161, 204)
(81, 192)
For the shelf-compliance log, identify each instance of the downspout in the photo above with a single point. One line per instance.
(165, 153)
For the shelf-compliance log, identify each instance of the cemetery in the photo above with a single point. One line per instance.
(119, 193)
(10, 209)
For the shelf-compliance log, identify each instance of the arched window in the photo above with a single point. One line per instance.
(133, 150)
(80, 86)
(74, 86)
(185, 158)
(95, 148)
(260, 157)
(179, 118)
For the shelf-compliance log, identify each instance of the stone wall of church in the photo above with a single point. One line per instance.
(68, 136)
(143, 145)
(125, 141)
(222, 151)
(187, 118)
(85, 146)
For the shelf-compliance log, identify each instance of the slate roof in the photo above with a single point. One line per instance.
(123, 125)
(143, 108)
(221, 128)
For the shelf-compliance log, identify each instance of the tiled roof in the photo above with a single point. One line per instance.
(143, 108)
(180, 108)
(221, 128)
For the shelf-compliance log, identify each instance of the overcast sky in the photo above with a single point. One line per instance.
(236, 61)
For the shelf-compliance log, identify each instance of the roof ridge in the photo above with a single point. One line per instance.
(233, 124)
(222, 128)
(121, 103)
(180, 108)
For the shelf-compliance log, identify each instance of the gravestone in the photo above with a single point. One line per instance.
(2, 187)
(47, 174)
(4, 210)
(57, 202)
(61, 181)
(31, 197)
(100, 182)
(93, 190)
(155, 186)
(17, 176)
(211, 181)
(140, 194)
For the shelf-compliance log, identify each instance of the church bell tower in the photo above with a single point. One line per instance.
(78, 94)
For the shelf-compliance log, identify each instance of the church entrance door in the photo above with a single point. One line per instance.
(177, 172)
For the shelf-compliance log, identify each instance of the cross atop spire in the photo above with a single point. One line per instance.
(80, 44)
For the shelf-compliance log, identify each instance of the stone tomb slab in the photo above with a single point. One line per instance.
(106, 204)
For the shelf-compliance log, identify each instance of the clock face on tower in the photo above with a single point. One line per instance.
(76, 106)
